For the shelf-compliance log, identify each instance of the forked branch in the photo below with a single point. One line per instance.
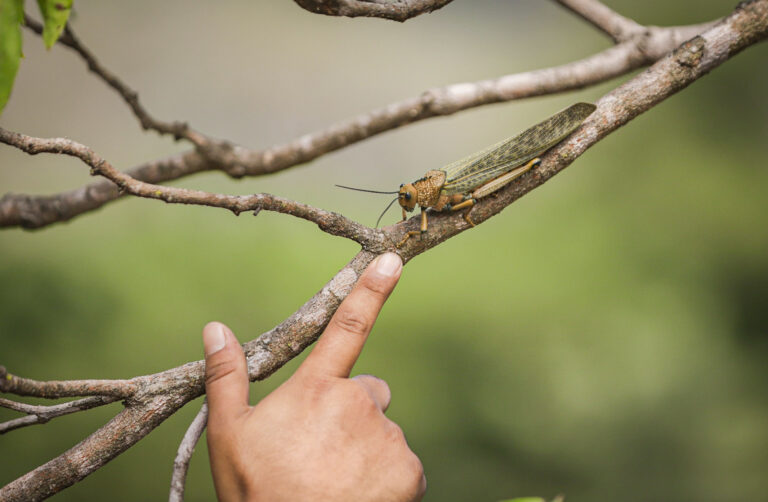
(150, 399)
(158, 396)
(41, 414)
(218, 151)
(131, 97)
(332, 223)
(31, 212)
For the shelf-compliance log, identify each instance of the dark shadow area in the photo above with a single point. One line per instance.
(747, 290)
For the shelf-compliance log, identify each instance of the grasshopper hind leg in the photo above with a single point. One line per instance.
(468, 203)
(492, 186)
(412, 233)
(468, 218)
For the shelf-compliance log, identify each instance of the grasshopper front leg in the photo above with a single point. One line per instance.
(413, 233)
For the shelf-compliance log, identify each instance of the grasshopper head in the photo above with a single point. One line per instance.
(407, 197)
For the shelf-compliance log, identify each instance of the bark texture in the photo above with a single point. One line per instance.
(149, 400)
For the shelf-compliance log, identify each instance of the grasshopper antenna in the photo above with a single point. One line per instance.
(385, 211)
(364, 190)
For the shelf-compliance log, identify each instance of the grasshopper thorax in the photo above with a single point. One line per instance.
(424, 192)
(407, 196)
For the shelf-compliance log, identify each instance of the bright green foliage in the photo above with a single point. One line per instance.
(55, 14)
(11, 16)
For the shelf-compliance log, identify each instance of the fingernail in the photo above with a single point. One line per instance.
(214, 338)
(388, 264)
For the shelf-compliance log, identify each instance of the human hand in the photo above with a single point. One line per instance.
(321, 435)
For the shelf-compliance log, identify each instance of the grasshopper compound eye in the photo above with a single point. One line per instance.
(407, 197)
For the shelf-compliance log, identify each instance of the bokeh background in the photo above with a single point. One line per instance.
(605, 337)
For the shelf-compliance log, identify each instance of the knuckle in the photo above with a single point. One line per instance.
(385, 389)
(352, 322)
(379, 386)
(366, 379)
(395, 434)
(412, 482)
(417, 467)
(378, 286)
(358, 398)
(357, 393)
(217, 370)
(378, 380)
(415, 470)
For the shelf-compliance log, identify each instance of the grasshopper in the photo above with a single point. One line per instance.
(460, 184)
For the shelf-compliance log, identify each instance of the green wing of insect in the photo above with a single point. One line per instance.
(470, 172)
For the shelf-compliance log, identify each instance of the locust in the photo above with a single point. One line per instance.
(460, 184)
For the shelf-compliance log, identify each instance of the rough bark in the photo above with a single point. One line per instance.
(33, 211)
(150, 399)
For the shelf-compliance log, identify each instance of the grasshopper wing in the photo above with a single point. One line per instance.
(468, 173)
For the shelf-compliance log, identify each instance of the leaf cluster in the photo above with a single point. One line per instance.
(55, 14)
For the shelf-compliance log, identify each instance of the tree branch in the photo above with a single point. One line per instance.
(184, 453)
(152, 399)
(610, 22)
(332, 223)
(54, 389)
(38, 211)
(42, 414)
(158, 396)
(747, 25)
(222, 153)
(395, 10)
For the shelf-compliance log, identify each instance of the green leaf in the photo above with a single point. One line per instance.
(524, 499)
(11, 16)
(55, 14)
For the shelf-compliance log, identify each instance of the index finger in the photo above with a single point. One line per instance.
(340, 345)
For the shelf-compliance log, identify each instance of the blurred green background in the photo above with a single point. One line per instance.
(605, 337)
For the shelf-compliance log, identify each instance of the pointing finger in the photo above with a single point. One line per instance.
(340, 345)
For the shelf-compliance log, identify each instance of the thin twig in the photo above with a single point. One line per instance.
(447, 100)
(395, 10)
(602, 17)
(332, 223)
(184, 453)
(38, 211)
(42, 414)
(55, 389)
(209, 147)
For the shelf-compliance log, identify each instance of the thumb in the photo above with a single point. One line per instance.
(226, 374)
